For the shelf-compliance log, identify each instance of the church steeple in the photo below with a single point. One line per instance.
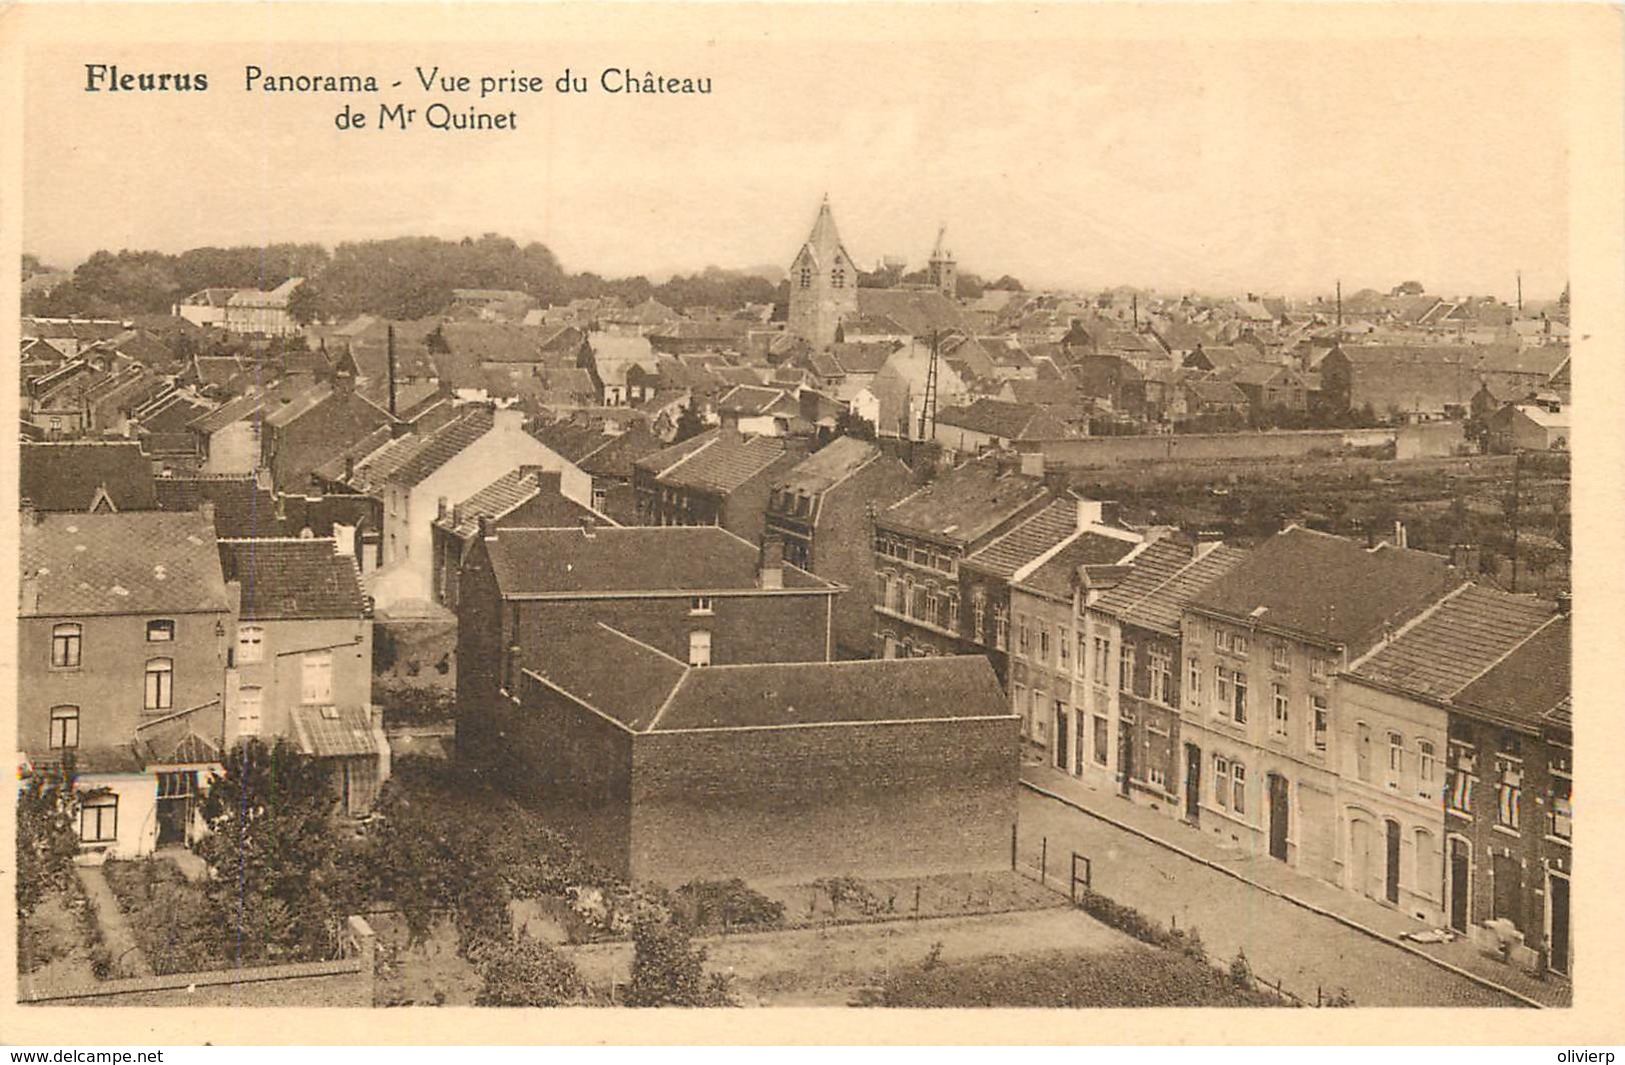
(823, 282)
(941, 269)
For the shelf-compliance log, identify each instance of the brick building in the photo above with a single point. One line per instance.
(1509, 804)
(716, 478)
(700, 595)
(663, 771)
(822, 510)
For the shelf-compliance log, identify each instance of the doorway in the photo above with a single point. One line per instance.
(1060, 735)
(1460, 885)
(1280, 812)
(1507, 875)
(176, 790)
(1557, 936)
(1391, 883)
(1193, 783)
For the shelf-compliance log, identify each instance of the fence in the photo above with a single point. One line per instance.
(1080, 875)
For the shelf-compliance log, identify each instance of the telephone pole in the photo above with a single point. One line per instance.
(1517, 495)
(928, 402)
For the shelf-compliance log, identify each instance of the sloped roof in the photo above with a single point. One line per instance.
(441, 446)
(917, 311)
(67, 476)
(866, 356)
(1028, 540)
(1326, 587)
(569, 440)
(655, 559)
(243, 508)
(837, 460)
(492, 341)
(616, 457)
(145, 562)
(721, 461)
(334, 731)
(286, 578)
(1455, 642)
(1160, 608)
(965, 503)
(1160, 560)
(1005, 420)
(1531, 687)
(1092, 548)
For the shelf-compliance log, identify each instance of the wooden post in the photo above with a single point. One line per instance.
(1012, 845)
(1043, 860)
(916, 902)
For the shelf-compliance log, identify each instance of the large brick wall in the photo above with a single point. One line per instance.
(1109, 450)
(799, 803)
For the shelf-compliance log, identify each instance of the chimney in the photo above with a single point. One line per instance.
(206, 510)
(1399, 534)
(1464, 557)
(457, 514)
(1090, 512)
(1565, 602)
(349, 468)
(589, 527)
(440, 508)
(29, 594)
(488, 528)
(770, 569)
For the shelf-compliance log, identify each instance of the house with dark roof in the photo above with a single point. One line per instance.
(1402, 381)
(1262, 646)
(612, 464)
(666, 771)
(996, 423)
(919, 544)
(759, 411)
(821, 509)
(716, 478)
(124, 628)
(81, 475)
(244, 507)
(303, 660)
(1392, 710)
(1509, 804)
(699, 594)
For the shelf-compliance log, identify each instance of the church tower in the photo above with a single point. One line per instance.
(823, 283)
(942, 271)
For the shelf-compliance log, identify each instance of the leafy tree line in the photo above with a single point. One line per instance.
(403, 277)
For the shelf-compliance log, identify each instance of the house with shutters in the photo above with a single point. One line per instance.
(663, 769)
(125, 625)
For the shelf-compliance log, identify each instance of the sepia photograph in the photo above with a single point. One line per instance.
(865, 507)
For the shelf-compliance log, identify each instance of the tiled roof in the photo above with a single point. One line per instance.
(722, 462)
(1007, 421)
(917, 311)
(242, 507)
(862, 356)
(526, 498)
(288, 578)
(838, 459)
(964, 504)
(570, 441)
(1023, 544)
(1456, 641)
(1323, 586)
(616, 457)
(1532, 686)
(334, 731)
(750, 399)
(413, 458)
(1160, 560)
(1095, 549)
(67, 476)
(530, 562)
(128, 563)
(1160, 608)
(492, 341)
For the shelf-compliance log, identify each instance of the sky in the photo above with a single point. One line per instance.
(1067, 160)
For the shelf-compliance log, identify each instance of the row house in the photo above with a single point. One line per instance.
(821, 510)
(716, 478)
(700, 595)
(1262, 645)
(1392, 712)
(1509, 804)
(1042, 665)
(1128, 668)
(920, 542)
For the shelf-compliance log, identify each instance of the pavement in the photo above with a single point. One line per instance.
(116, 935)
(1307, 934)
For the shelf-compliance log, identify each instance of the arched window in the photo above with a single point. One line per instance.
(160, 684)
(66, 646)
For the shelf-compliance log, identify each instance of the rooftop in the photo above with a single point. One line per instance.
(832, 463)
(1532, 686)
(128, 563)
(288, 578)
(716, 461)
(964, 504)
(1466, 634)
(1027, 541)
(69, 476)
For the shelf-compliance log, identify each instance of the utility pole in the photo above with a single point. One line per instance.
(391, 339)
(1520, 291)
(928, 402)
(1517, 494)
(1340, 311)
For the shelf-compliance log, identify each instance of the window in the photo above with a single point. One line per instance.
(66, 645)
(1281, 656)
(249, 701)
(1238, 645)
(837, 278)
(1362, 751)
(177, 784)
(1425, 762)
(1239, 682)
(316, 678)
(64, 726)
(701, 604)
(1560, 810)
(1318, 667)
(1221, 688)
(1083, 653)
(1396, 758)
(1322, 714)
(98, 818)
(1162, 677)
(160, 684)
(1001, 628)
(1193, 683)
(600, 496)
(1018, 702)
(978, 615)
(1459, 792)
(1221, 640)
(1238, 774)
(1157, 776)
(1023, 637)
(1221, 781)
(1508, 791)
(882, 589)
(160, 631)
(1043, 644)
(1063, 649)
(806, 277)
(1103, 732)
(699, 648)
(250, 643)
(1125, 667)
(1103, 658)
(1278, 719)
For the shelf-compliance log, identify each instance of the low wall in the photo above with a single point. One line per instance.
(1097, 451)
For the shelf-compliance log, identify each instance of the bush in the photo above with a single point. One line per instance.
(46, 839)
(853, 894)
(178, 927)
(414, 704)
(668, 971)
(726, 904)
(525, 973)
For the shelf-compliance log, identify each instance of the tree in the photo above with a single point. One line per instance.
(525, 972)
(689, 424)
(1408, 288)
(1007, 284)
(850, 423)
(280, 878)
(46, 840)
(668, 971)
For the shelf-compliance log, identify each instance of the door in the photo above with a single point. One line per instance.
(1557, 895)
(1391, 884)
(1060, 735)
(1279, 814)
(172, 817)
(1459, 885)
(1125, 754)
(1360, 856)
(1077, 744)
(1193, 783)
(1508, 888)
